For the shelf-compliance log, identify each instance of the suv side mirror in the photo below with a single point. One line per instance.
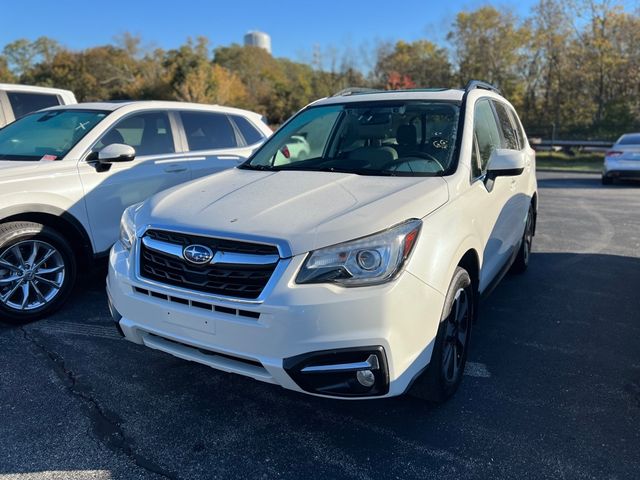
(505, 163)
(116, 152)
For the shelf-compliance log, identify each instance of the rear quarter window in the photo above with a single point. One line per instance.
(250, 133)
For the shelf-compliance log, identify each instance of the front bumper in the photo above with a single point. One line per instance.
(264, 339)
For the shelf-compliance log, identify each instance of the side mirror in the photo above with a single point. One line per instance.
(505, 163)
(116, 152)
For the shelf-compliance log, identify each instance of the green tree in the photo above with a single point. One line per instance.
(22, 54)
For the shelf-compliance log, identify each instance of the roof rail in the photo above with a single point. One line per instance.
(355, 90)
(473, 84)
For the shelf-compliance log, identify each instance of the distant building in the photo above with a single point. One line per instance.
(258, 39)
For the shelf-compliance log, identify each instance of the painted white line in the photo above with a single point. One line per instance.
(475, 369)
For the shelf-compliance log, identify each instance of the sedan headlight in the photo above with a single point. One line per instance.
(365, 261)
(128, 226)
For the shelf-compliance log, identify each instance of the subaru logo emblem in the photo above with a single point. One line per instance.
(198, 254)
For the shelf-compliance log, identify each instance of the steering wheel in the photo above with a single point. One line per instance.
(394, 164)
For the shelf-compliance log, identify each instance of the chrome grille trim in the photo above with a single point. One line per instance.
(219, 257)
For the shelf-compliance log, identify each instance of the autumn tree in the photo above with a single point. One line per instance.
(5, 73)
(489, 45)
(420, 63)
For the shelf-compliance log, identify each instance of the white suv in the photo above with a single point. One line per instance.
(18, 100)
(66, 175)
(350, 269)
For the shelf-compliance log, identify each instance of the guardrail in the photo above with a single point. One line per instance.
(567, 145)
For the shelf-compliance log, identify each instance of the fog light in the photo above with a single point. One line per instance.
(366, 378)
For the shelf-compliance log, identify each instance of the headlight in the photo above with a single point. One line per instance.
(128, 226)
(365, 261)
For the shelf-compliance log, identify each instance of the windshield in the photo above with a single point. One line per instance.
(46, 135)
(409, 139)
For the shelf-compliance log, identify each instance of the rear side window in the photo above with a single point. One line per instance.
(486, 132)
(250, 133)
(27, 102)
(208, 131)
(509, 134)
(149, 133)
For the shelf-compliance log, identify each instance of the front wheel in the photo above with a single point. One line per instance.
(521, 263)
(449, 357)
(37, 271)
(606, 180)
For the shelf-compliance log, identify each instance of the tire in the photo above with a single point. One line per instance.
(521, 263)
(606, 180)
(28, 293)
(440, 381)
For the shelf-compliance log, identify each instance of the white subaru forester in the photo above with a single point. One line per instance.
(350, 270)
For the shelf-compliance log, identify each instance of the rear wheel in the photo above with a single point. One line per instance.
(37, 271)
(606, 180)
(448, 359)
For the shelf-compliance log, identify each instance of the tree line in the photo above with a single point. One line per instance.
(569, 68)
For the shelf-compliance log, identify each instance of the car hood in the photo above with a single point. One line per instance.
(300, 211)
(9, 166)
(15, 171)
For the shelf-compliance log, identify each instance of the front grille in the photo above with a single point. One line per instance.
(242, 281)
(215, 244)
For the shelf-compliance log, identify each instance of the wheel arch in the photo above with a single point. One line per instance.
(62, 221)
(470, 261)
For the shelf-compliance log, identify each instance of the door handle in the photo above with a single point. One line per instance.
(175, 169)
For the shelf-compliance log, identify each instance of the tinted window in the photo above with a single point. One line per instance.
(250, 133)
(26, 102)
(509, 135)
(149, 133)
(208, 131)
(630, 139)
(486, 131)
(46, 135)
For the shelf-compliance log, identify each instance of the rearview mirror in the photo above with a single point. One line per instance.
(505, 163)
(116, 152)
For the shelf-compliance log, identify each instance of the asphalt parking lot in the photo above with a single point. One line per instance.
(552, 389)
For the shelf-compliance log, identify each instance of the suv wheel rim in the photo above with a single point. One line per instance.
(31, 275)
(455, 343)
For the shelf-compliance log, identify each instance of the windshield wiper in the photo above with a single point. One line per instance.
(263, 168)
(355, 171)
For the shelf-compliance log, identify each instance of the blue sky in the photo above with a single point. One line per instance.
(295, 26)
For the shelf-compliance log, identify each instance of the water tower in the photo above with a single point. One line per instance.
(258, 39)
